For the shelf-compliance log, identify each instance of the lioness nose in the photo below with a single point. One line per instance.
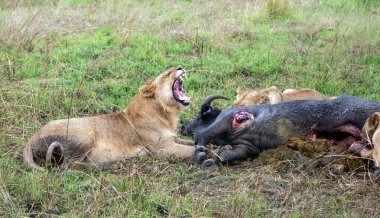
(179, 68)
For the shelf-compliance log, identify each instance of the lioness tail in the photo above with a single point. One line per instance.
(28, 155)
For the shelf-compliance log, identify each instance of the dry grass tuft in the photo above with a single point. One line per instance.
(168, 18)
(278, 8)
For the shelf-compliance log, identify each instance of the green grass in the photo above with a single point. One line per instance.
(82, 58)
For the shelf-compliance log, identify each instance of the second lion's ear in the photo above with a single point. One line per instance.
(148, 90)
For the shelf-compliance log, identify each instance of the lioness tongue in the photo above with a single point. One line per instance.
(183, 97)
(179, 94)
(177, 85)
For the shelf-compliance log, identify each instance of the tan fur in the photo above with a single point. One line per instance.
(273, 95)
(147, 126)
(371, 130)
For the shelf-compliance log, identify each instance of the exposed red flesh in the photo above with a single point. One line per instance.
(346, 136)
(241, 117)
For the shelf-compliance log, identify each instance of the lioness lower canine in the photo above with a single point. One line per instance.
(147, 126)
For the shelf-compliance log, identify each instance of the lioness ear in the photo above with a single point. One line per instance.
(238, 90)
(373, 120)
(147, 90)
(273, 88)
(371, 124)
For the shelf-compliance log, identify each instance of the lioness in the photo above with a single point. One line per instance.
(371, 132)
(272, 95)
(147, 126)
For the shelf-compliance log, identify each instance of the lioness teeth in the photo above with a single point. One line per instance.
(182, 76)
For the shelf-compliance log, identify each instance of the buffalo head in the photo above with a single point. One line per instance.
(205, 117)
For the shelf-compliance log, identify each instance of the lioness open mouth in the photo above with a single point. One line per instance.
(178, 90)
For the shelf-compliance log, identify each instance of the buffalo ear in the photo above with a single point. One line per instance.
(206, 109)
(148, 90)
